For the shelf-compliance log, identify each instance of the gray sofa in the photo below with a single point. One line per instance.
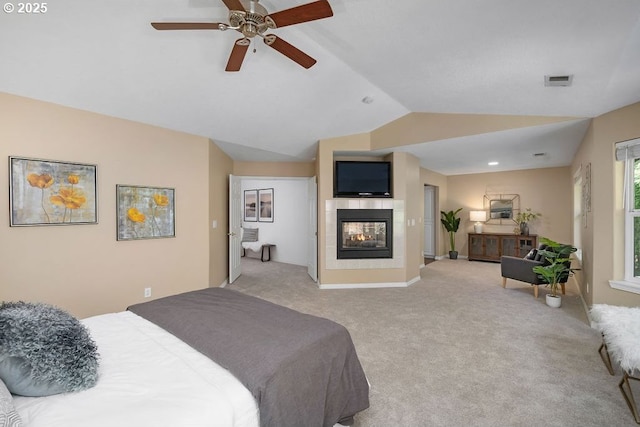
(521, 269)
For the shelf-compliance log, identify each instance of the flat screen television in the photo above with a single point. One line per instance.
(362, 179)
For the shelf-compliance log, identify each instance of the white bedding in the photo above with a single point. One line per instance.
(148, 378)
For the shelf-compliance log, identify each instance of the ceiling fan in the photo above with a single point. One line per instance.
(251, 19)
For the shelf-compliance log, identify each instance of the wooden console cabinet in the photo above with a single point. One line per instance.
(491, 246)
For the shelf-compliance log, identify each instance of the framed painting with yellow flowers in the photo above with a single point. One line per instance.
(51, 192)
(145, 212)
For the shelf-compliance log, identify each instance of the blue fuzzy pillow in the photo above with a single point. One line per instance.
(44, 350)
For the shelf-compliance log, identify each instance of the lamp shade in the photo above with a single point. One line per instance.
(478, 216)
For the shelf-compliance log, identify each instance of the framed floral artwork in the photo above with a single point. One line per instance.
(51, 192)
(250, 205)
(145, 212)
(265, 213)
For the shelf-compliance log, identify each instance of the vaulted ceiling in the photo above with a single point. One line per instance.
(421, 56)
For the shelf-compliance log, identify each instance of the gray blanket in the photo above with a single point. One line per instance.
(303, 370)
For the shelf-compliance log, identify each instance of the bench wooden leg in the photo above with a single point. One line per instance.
(268, 248)
(535, 290)
(628, 395)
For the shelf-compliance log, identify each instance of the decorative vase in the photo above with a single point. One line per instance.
(524, 228)
(554, 301)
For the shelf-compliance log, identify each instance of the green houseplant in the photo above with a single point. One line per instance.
(523, 218)
(557, 267)
(451, 222)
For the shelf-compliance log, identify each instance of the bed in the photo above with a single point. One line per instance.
(213, 357)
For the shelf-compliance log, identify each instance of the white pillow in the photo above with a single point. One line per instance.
(8, 415)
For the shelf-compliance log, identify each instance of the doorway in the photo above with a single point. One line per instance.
(288, 225)
(429, 223)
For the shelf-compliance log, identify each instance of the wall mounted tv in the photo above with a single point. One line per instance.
(362, 179)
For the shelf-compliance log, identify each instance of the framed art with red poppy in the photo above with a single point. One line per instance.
(51, 192)
(145, 212)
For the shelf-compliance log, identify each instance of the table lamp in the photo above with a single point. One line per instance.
(478, 217)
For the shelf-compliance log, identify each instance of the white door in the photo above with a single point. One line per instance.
(312, 195)
(429, 221)
(235, 222)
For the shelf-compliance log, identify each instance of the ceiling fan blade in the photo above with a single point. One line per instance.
(237, 54)
(304, 13)
(289, 50)
(234, 5)
(188, 25)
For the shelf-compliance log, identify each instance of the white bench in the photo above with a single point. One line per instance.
(258, 247)
(620, 328)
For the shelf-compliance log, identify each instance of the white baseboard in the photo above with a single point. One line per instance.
(439, 257)
(369, 285)
(225, 283)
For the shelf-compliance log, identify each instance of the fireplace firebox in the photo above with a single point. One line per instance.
(365, 233)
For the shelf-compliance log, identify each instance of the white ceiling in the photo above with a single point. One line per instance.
(454, 56)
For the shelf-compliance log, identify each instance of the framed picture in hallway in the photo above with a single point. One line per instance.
(265, 213)
(50, 192)
(250, 205)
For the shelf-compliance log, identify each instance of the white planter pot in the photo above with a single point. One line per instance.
(554, 302)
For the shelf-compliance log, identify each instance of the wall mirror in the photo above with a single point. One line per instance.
(502, 208)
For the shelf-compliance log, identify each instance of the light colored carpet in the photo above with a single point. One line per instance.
(456, 349)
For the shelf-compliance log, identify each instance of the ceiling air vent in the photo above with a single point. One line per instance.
(558, 80)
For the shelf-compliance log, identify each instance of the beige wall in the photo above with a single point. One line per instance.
(603, 238)
(547, 191)
(412, 192)
(271, 169)
(82, 268)
(417, 128)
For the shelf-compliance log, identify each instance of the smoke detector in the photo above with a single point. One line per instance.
(558, 80)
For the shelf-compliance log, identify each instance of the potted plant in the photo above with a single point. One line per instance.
(451, 223)
(523, 218)
(556, 269)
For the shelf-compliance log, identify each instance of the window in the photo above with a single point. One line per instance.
(632, 220)
(629, 152)
(577, 213)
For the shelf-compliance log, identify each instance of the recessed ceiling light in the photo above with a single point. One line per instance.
(493, 163)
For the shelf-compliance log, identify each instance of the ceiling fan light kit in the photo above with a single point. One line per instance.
(251, 19)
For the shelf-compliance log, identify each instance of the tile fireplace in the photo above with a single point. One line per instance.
(364, 233)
